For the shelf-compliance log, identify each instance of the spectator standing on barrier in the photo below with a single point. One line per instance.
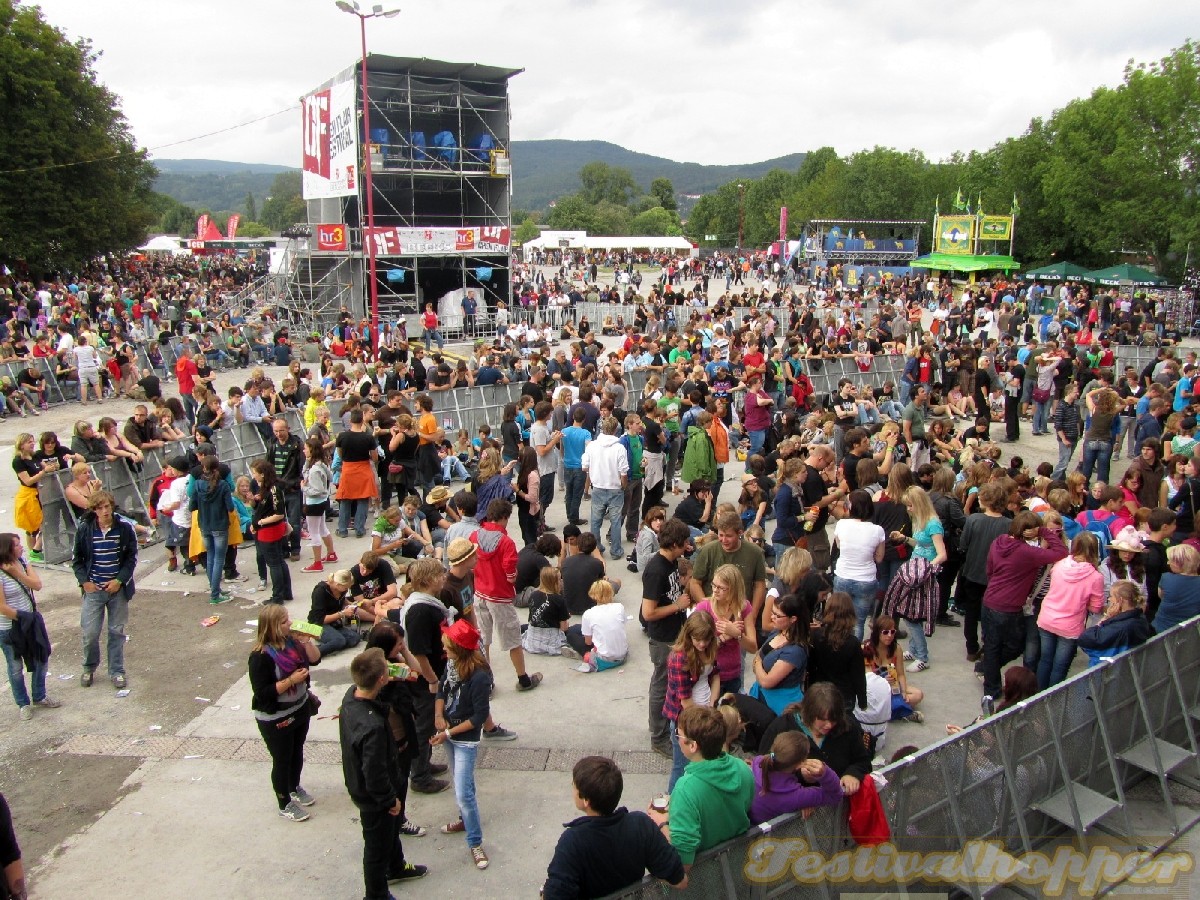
(104, 559)
(286, 458)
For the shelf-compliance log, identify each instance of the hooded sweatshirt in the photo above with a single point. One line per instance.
(788, 794)
(1122, 632)
(496, 571)
(711, 804)
(699, 460)
(1013, 567)
(1076, 588)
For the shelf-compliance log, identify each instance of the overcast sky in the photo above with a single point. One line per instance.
(704, 81)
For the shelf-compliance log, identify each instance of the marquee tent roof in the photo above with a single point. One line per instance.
(1059, 271)
(950, 262)
(1122, 273)
(582, 240)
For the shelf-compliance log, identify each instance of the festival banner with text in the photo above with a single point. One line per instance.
(329, 134)
(438, 241)
(995, 228)
(955, 235)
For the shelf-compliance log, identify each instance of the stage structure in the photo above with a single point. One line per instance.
(863, 249)
(441, 174)
(971, 241)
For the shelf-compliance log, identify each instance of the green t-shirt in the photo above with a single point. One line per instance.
(747, 557)
(675, 355)
(671, 406)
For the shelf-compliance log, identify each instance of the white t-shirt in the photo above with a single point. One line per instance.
(85, 357)
(605, 625)
(702, 690)
(857, 541)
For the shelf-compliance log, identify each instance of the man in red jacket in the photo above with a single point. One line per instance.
(495, 580)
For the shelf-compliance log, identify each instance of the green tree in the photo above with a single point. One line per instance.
(285, 206)
(527, 231)
(572, 213)
(602, 182)
(663, 191)
(75, 185)
(251, 207)
(656, 222)
(253, 230)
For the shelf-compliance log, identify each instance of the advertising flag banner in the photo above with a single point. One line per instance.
(332, 237)
(201, 226)
(329, 134)
(955, 235)
(783, 223)
(231, 226)
(995, 228)
(393, 241)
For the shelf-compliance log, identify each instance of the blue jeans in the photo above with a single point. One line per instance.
(1055, 661)
(1065, 452)
(433, 335)
(461, 757)
(757, 439)
(452, 467)
(678, 760)
(215, 544)
(608, 503)
(91, 621)
(868, 416)
(575, 480)
(917, 642)
(16, 673)
(863, 594)
(335, 638)
(360, 508)
(1096, 455)
(1041, 417)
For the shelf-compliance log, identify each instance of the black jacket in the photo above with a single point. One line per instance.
(600, 855)
(293, 451)
(30, 641)
(127, 547)
(844, 751)
(370, 759)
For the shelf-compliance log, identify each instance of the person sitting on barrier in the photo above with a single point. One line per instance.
(89, 445)
(782, 778)
(608, 849)
(32, 383)
(835, 738)
(711, 801)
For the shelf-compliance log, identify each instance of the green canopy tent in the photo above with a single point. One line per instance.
(1123, 273)
(1059, 271)
(952, 262)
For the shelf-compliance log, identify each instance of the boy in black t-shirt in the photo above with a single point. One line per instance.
(664, 605)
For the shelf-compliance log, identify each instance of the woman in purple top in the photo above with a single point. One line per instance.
(787, 781)
(757, 415)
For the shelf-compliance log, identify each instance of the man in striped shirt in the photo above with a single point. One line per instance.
(104, 561)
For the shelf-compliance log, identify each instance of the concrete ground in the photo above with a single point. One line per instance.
(167, 790)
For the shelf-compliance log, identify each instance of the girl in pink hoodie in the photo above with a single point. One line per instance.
(1076, 588)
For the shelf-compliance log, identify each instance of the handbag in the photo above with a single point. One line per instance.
(867, 823)
(312, 704)
(1041, 395)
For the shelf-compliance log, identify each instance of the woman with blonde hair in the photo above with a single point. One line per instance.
(791, 570)
(1076, 589)
(460, 711)
(279, 664)
(1178, 588)
(27, 509)
(602, 631)
(492, 481)
(1103, 406)
(548, 617)
(734, 618)
(914, 593)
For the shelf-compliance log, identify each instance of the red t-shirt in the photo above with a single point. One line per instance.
(186, 372)
(923, 371)
(430, 320)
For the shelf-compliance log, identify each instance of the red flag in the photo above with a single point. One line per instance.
(232, 226)
(201, 226)
(783, 229)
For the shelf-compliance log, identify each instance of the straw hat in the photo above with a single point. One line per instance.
(1128, 539)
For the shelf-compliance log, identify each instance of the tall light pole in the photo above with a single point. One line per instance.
(377, 11)
(741, 215)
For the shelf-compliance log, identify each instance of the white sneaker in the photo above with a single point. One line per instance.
(917, 666)
(262, 584)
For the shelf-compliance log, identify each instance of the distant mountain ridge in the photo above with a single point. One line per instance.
(542, 171)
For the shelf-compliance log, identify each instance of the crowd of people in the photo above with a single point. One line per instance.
(773, 616)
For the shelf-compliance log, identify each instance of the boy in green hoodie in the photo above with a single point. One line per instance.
(699, 459)
(711, 803)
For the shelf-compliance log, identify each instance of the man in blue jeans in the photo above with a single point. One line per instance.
(575, 439)
(607, 464)
(104, 560)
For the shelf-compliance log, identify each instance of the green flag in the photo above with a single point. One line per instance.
(1016, 207)
(959, 204)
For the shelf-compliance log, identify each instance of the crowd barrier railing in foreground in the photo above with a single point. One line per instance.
(1017, 800)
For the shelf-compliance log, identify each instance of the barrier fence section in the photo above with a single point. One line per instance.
(237, 447)
(996, 796)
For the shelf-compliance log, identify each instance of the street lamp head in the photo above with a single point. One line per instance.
(347, 6)
(391, 14)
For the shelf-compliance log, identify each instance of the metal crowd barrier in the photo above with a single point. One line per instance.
(1138, 357)
(989, 806)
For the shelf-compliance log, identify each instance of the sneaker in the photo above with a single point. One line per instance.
(948, 621)
(974, 657)
(908, 657)
(455, 827)
(569, 652)
(85, 679)
(118, 681)
(412, 829)
(534, 680)
(189, 569)
(295, 557)
(500, 733)
(315, 567)
(481, 860)
(219, 599)
(236, 578)
(438, 768)
(916, 717)
(294, 811)
(430, 786)
(918, 665)
(172, 565)
(332, 557)
(663, 750)
(47, 703)
(409, 872)
(262, 584)
(36, 556)
(303, 797)
(26, 712)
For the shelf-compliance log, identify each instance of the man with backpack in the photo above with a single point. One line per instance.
(1100, 521)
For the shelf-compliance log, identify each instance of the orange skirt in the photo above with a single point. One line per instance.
(358, 481)
(27, 511)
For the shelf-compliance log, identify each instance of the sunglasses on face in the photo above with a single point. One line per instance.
(888, 631)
